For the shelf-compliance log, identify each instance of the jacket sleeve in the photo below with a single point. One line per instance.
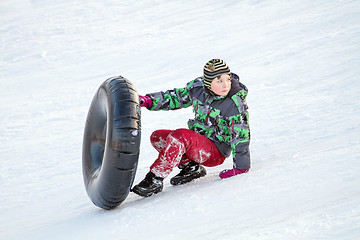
(241, 154)
(171, 99)
(240, 134)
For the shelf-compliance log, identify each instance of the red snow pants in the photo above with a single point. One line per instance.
(181, 146)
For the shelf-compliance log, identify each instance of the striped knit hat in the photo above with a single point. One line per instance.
(213, 69)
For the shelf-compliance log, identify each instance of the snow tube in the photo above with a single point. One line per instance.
(111, 143)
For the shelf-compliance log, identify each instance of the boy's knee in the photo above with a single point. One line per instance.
(154, 136)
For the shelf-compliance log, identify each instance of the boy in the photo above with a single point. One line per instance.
(220, 127)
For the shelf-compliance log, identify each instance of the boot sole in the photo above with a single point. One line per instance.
(145, 194)
(174, 182)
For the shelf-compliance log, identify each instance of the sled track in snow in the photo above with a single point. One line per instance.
(111, 143)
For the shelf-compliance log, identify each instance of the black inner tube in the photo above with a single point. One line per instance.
(111, 143)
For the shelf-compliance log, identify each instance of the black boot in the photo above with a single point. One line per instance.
(189, 171)
(150, 185)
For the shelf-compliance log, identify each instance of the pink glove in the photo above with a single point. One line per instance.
(232, 172)
(145, 101)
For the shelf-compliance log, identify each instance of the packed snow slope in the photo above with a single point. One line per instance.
(300, 60)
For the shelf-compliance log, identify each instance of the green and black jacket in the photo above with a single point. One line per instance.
(224, 120)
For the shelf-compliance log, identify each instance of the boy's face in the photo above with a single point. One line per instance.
(221, 85)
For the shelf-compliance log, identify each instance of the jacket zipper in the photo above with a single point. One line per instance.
(207, 116)
(232, 128)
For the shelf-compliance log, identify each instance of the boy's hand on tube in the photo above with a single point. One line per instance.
(145, 101)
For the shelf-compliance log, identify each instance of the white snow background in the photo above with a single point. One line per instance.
(300, 60)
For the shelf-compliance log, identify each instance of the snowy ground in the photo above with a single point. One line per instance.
(299, 59)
